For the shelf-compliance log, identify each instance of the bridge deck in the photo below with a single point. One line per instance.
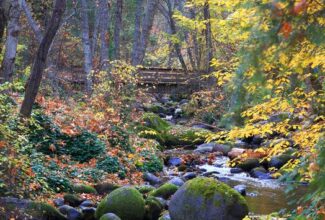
(162, 76)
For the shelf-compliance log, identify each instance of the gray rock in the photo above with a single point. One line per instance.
(260, 173)
(176, 181)
(241, 189)
(58, 202)
(174, 161)
(189, 175)
(236, 170)
(205, 148)
(208, 199)
(249, 164)
(152, 179)
(223, 148)
(279, 161)
(165, 216)
(87, 203)
(110, 216)
(105, 188)
(64, 209)
(74, 214)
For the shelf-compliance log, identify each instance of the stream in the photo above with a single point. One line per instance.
(264, 196)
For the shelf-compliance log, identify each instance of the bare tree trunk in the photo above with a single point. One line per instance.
(137, 33)
(35, 27)
(3, 22)
(95, 34)
(117, 28)
(208, 38)
(39, 65)
(174, 32)
(148, 19)
(8, 62)
(103, 31)
(195, 42)
(88, 64)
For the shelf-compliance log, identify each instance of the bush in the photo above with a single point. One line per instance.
(44, 134)
(152, 163)
(109, 164)
(120, 138)
(84, 146)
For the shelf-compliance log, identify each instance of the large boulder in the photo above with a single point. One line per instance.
(109, 216)
(208, 199)
(126, 202)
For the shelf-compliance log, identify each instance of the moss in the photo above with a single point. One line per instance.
(82, 188)
(44, 211)
(126, 202)
(105, 188)
(155, 122)
(164, 191)
(145, 189)
(72, 200)
(208, 187)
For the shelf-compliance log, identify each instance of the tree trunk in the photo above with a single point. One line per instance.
(103, 31)
(95, 34)
(148, 19)
(174, 32)
(8, 62)
(208, 38)
(88, 64)
(137, 33)
(3, 22)
(39, 64)
(117, 28)
(35, 27)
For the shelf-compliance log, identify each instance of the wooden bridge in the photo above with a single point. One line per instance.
(164, 80)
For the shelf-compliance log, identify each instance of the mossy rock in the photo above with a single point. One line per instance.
(155, 108)
(110, 216)
(153, 121)
(44, 211)
(126, 202)
(72, 200)
(164, 191)
(82, 188)
(205, 198)
(106, 188)
(144, 189)
(181, 135)
(153, 208)
(248, 164)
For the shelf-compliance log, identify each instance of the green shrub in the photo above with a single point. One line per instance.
(84, 146)
(152, 162)
(109, 164)
(120, 138)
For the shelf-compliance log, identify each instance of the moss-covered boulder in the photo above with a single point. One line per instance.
(153, 121)
(72, 200)
(153, 208)
(248, 164)
(164, 191)
(44, 211)
(106, 187)
(110, 216)
(208, 199)
(181, 135)
(82, 188)
(125, 202)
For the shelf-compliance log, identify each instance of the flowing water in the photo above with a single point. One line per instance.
(263, 196)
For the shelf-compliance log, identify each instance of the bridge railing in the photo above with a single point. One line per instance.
(161, 76)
